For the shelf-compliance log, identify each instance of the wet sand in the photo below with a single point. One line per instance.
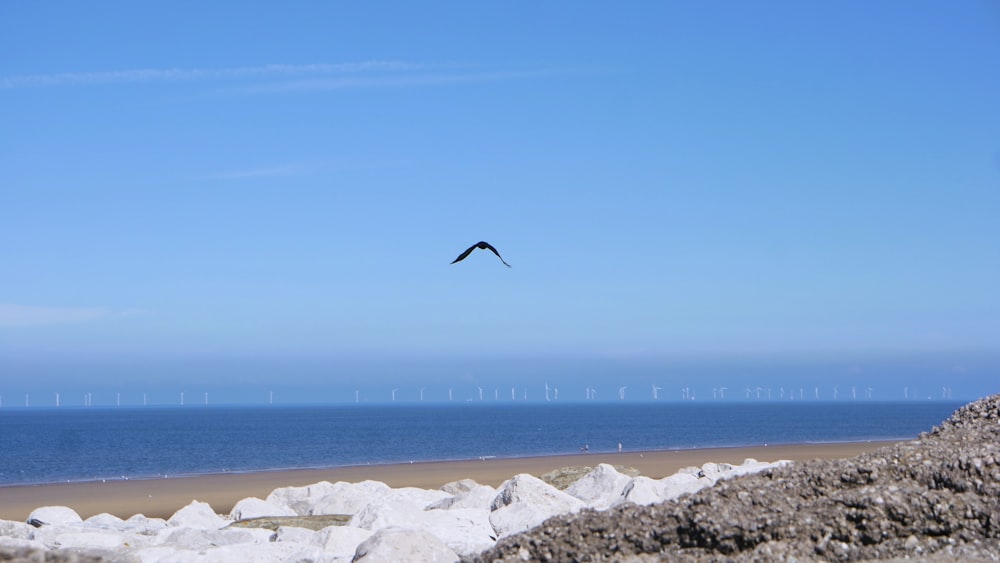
(160, 498)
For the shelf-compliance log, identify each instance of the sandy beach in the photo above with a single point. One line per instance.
(162, 497)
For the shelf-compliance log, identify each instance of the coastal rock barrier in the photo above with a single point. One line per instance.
(331, 522)
(936, 498)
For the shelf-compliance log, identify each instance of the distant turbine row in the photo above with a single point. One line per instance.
(551, 393)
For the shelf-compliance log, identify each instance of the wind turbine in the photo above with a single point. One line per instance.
(722, 393)
(57, 399)
(556, 391)
(480, 393)
(449, 393)
(656, 392)
(835, 391)
(422, 393)
(394, 393)
(357, 396)
(546, 390)
(621, 393)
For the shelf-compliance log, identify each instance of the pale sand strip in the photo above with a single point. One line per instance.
(162, 497)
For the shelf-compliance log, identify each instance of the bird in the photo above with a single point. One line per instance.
(481, 245)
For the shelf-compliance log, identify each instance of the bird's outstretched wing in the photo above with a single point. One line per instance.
(490, 246)
(483, 245)
(464, 254)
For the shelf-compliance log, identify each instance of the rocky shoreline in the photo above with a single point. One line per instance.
(936, 497)
(366, 521)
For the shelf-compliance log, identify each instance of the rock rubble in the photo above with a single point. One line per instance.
(934, 498)
(332, 522)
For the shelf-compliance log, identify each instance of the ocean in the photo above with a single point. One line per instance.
(39, 445)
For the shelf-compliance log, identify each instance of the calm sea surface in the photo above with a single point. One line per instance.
(50, 445)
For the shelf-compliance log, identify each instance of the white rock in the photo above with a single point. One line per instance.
(461, 486)
(266, 553)
(197, 515)
(526, 501)
(419, 497)
(49, 535)
(349, 498)
(751, 466)
(294, 534)
(682, 484)
(384, 513)
(392, 545)
(301, 499)
(517, 518)
(200, 538)
(93, 540)
(479, 496)
(18, 530)
(141, 524)
(55, 515)
(397, 508)
(20, 543)
(467, 531)
(106, 521)
(643, 491)
(161, 554)
(253, 507)
(526, 488)
(342, 541)
(602, 487)
(714, 471)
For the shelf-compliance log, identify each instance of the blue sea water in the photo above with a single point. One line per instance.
(55, 445)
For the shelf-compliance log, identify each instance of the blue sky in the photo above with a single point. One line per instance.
(237, 198)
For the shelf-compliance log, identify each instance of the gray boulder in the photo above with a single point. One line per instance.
(392, 545)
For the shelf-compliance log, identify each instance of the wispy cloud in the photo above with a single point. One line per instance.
(288, 170)
(288, 78)
(147, 75)
(395, 80)
(12, 315)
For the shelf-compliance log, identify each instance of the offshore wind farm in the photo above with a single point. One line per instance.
(480, 394)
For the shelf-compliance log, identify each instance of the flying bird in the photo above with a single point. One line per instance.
(481, 245)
